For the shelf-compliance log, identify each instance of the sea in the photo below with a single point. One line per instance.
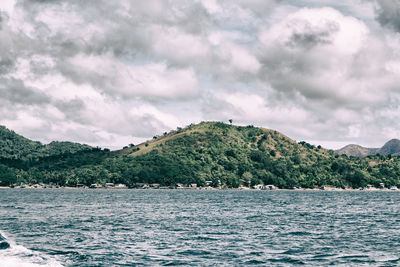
(61, 227)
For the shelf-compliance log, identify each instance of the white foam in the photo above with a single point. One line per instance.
(21, 256)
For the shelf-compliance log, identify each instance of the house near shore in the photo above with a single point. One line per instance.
(155, 186)
(264, 187)
(259, 187)
(141, 185)
(270, 187)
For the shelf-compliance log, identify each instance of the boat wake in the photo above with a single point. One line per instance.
(12, 255)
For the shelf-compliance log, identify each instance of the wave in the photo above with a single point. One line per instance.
(12, 255)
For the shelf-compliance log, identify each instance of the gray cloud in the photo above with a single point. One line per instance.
(312, 37)
(307, 54)
(72, 109)
(16, 92)
(121, 71)
(388, 13)
(6, 65)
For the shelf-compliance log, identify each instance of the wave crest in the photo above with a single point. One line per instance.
(17, 255)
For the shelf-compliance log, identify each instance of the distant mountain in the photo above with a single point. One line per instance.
(392, 147)
(357, 151)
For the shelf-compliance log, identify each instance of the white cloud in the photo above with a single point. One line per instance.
(7, 6)
(238, 57)
(323, 29)
(212, 6)
(153, 80)
(327, 56)
(111, 72)
(177, 46)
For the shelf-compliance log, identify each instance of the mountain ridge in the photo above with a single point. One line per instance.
(391, 147)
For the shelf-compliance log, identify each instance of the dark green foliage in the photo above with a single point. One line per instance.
(226, 155)
(16, 147)
(7, 175)
(230, 153)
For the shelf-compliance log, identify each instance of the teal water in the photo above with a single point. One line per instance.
(56, 227)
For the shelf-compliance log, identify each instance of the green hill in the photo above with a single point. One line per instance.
(15, 146)
(209, 152)
(234, 155)
(24, 160)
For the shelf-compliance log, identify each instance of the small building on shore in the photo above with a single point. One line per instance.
(259, 187)
(155, 186)
(270, 187)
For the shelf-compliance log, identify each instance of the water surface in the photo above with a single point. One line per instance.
(57, 227)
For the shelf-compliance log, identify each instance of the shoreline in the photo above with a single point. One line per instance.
(212, 189)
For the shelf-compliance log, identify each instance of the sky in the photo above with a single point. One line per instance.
(111, 73)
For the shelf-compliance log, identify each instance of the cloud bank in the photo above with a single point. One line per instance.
(118, 72)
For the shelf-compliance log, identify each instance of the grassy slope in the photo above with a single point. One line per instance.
(236, 136)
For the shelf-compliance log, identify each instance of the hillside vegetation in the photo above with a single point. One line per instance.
(14, 146)
(225, 155)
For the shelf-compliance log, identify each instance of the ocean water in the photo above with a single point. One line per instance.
(57, 227)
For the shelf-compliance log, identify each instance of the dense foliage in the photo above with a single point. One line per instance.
(215, 152)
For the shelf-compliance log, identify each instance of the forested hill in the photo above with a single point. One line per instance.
(15, 146)
(223, 154)
(26, 161)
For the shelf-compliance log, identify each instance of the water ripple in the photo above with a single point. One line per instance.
(197, 228)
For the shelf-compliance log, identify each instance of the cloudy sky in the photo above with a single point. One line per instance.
(110, 73)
